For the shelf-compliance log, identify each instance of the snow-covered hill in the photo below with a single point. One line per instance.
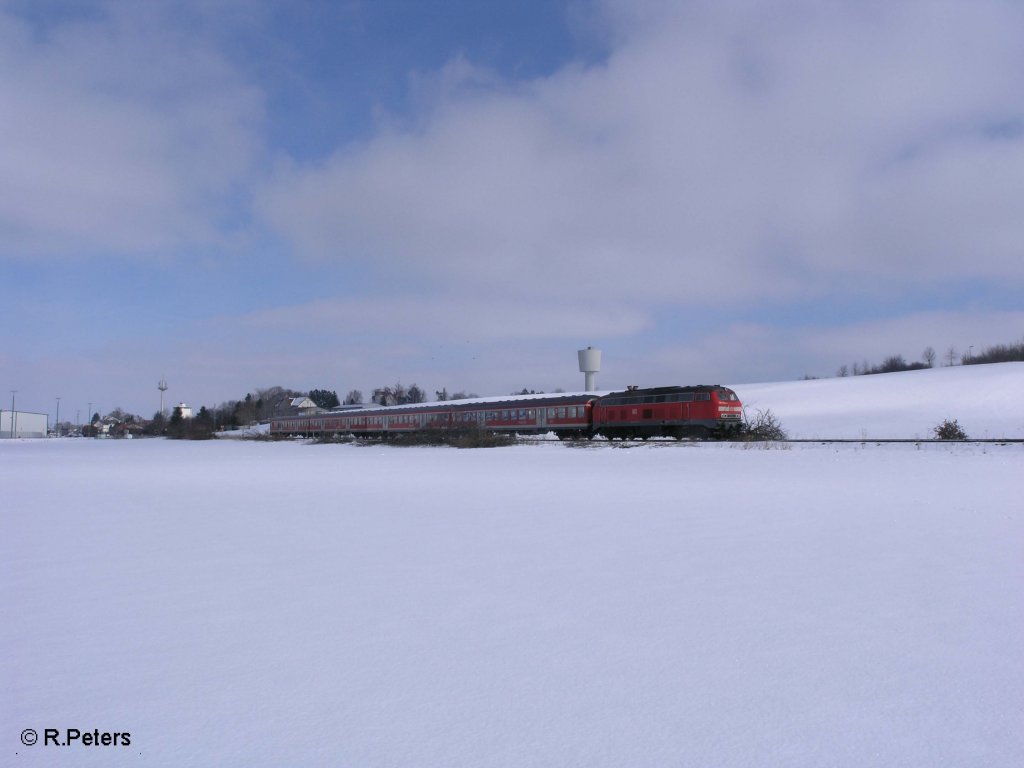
(987, 401)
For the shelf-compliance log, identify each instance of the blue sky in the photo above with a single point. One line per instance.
(240, 194)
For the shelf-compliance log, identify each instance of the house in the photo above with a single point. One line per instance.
(304, 406)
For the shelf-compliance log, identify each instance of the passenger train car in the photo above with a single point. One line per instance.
(679, 412)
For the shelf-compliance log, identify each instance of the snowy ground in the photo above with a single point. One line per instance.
(986, 400)
(269, 604)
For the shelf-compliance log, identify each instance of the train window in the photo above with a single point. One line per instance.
(703, 395)
(686, 397)
(725, 394)
(551, 413)
(561, 413)
(572, 412)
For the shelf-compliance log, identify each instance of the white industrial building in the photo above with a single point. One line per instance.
(23, 424)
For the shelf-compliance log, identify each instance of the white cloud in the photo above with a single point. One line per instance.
(724, 150)
(458, 318)
(118, 134)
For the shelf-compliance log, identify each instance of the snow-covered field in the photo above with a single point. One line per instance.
(269, 604)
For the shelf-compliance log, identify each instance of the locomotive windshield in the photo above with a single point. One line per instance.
(727, 394)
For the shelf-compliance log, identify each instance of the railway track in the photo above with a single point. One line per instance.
(819, 440)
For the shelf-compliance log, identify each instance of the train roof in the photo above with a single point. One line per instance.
(473, 403)
(664, 390)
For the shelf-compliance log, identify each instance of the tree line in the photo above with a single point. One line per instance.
(1000, 353)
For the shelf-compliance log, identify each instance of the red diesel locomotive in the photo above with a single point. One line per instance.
(695, 411)
(701, 411)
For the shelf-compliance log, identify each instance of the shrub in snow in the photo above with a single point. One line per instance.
(762, 426)
(950, 430)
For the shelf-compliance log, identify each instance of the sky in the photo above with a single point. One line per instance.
(238, 194)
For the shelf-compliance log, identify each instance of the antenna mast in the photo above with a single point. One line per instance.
(162, 386)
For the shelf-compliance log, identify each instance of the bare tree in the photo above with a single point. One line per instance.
(951, 356)
(929, 356)
(273, 401)
(763, 425)
(354, 397)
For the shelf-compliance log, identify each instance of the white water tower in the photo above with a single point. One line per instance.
(590, 364)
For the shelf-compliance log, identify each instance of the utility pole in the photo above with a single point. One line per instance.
(13, 392)
(56, 421)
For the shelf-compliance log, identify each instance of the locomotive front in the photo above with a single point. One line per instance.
(730, 411)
